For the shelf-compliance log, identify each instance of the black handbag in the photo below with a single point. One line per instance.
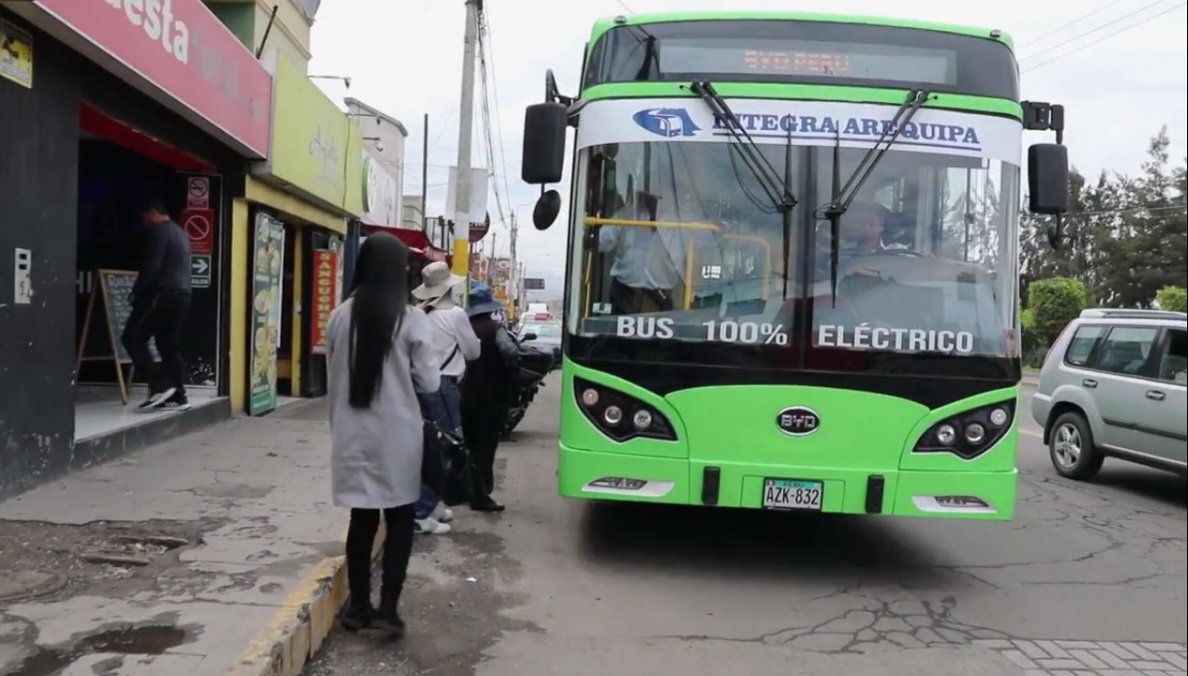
(456, 489)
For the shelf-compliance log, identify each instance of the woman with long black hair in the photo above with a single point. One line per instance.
(380, 354)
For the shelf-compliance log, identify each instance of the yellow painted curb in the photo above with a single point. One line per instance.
(298, 629)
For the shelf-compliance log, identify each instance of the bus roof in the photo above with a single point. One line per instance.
(603, 25)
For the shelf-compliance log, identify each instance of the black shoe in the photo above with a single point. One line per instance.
(486, 505)
(149, 402)
(178, 402)
(163, 396)
(357, 617)
(387, 618)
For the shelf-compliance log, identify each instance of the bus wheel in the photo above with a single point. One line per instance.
(1071, 447)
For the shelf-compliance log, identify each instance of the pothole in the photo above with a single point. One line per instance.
(133, 550)
(16, 585)
(146, 640)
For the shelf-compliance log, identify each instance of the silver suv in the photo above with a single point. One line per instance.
(1113, 384)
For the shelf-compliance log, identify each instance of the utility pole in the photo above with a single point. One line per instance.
(513, 271)
(465, 127)
(491, 262)
(425, 176)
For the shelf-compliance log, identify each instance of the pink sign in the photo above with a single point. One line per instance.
(183, 49)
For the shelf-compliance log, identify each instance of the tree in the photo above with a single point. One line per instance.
(1054, 303)
(1172, 298)
(1125, 237)
(1147, 250)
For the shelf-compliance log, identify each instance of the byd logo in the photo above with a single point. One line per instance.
(798, 421)
(666, 122)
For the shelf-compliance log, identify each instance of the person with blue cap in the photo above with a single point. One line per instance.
(485, 392)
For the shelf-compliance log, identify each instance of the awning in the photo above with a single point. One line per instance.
(415, 239)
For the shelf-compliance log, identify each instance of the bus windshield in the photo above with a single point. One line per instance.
(671, 242)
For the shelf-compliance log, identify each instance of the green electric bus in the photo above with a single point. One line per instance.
(792, 275)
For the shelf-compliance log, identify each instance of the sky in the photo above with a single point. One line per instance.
(1120, 68)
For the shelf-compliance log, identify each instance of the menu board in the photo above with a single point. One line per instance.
(267, 265)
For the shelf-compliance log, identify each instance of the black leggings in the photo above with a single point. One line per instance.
(397, 551)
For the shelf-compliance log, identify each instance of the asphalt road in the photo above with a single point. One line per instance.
(1089, 578)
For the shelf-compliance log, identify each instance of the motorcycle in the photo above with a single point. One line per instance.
(535, 364)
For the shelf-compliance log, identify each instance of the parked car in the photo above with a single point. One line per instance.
(544, 335)
(1113, 385)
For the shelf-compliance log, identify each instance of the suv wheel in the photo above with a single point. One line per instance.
(1071, 447)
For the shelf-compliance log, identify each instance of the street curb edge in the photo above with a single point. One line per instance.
(298, 629)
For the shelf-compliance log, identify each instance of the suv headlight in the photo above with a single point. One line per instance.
(619, 416)
(968, 434)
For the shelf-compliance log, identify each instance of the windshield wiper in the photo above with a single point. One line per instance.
(778, 190)
(842, 196)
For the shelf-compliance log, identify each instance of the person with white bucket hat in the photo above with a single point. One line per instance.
(454, 343)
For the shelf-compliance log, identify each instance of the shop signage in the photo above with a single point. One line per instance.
(478, 218)
(315, 146)
(325, 296)
(182, 49)
(197, 192)
(199, 227)
(267, 264)
(380, 198)
(200, 272)
(16, 54)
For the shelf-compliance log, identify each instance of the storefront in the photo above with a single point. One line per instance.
(289, 233)
(98, 118)
(382, 209)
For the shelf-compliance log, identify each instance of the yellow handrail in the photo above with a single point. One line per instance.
(595, 221)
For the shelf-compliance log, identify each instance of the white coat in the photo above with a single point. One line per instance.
(375, 456)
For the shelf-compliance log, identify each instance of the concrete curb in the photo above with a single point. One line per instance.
(298, 629)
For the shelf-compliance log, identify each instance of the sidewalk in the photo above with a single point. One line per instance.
(217, 552)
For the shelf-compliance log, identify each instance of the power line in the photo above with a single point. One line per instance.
(488, 136)
(1104, 26)
(498, 115)
(1076, 21)
(1105, 37)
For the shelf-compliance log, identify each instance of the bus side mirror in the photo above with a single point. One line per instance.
(544, 143)
(546, 210)
(1047, 179)
(1048, 185)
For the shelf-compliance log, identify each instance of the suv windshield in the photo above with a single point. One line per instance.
(673, 243)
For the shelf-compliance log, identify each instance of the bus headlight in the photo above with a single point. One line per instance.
(619, 416)
(968, 434)
(642, 419)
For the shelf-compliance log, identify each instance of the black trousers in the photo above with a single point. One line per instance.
(161, 319)
(397, 551)
(481, 430)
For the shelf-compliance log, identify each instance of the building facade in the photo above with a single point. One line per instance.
(105, 105)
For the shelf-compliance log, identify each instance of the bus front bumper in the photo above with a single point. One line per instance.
(595, 475)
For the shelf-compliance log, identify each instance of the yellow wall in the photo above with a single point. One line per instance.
(294, 209)
(298, 312)
(237, 350)
(263, 193)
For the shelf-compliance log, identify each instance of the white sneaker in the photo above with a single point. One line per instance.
(431, 526)
(442, 513)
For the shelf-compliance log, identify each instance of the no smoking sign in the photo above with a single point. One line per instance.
(199, 227)
(197, 192)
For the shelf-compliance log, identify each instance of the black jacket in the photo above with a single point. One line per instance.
(165, 263)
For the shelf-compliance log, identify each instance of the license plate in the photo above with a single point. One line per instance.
(792, 494)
